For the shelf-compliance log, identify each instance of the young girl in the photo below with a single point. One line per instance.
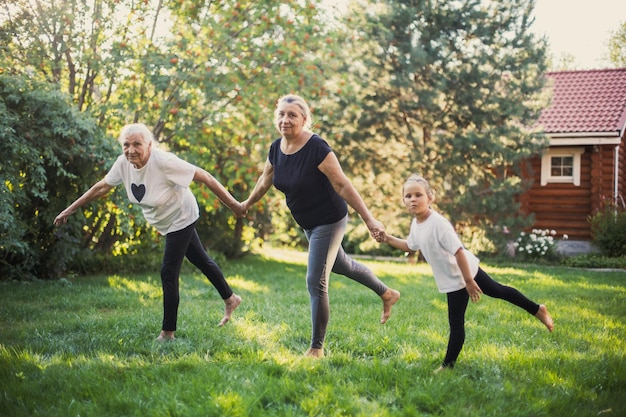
(456, 270)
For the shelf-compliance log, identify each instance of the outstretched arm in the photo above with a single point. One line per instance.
(396, 242)
(97, 190)
(263, 184)
(216, 187)
(332, 169)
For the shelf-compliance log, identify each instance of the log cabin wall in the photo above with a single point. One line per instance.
(565, 207)
(603, 174)
(621, 185)
(562, 207)
(587, 111)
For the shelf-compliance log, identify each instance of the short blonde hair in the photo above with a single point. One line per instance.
(136, 128)
(421, 181)
(300, 102)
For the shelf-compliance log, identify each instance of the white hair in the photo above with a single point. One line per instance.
(133, 129)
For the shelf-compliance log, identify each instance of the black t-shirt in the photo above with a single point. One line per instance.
(310, 196)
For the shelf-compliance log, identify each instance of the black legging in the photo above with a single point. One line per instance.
(179, 244)
(457, 304)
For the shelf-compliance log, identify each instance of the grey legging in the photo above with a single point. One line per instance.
(325, 249)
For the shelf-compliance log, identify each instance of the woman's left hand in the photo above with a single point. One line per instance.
(376, 228)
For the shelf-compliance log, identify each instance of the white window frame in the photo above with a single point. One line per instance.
(546, 165)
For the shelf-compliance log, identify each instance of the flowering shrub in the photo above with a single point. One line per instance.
(537, 244)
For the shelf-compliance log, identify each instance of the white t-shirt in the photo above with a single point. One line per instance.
(161, 188)
(436, 239)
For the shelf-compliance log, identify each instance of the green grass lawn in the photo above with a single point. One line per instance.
(85, 347)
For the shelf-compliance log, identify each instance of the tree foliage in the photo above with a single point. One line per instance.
(444, 88)
(447, 89)
(617, 46)
(204, 75)
(233, 60)
(50, 151)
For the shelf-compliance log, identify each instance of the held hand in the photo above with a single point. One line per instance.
(245, 206)
(381, 237)
(376, 228)
(239, 210)
(473, 290)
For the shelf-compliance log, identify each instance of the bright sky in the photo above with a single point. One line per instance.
(581, 28)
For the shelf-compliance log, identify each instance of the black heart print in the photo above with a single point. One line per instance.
(138, 191)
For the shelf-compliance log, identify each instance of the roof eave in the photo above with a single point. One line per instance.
(611, 133)
(585, 138)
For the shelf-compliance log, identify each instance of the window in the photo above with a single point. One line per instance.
(561, 165)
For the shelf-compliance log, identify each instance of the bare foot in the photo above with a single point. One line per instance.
(440, 369)
(165, 336)
(390, 297)
(544, 316)
(231, 303)
(315, 353)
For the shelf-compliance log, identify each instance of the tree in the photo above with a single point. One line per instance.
(233, 59)
(204, 75)
(448, 90)
(49, 151)
(79, 47)
(617, 46)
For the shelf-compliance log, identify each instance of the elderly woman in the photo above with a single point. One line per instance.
(304, 167)
(158, 182)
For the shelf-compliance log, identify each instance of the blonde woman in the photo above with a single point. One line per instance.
(304, 167)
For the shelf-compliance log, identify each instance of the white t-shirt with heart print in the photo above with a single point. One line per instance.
(161, 188)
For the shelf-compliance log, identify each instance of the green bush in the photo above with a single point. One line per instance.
(608, 229)
(50, 153)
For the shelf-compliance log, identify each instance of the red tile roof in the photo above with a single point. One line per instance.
(592, 101)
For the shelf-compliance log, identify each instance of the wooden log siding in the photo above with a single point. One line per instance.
(566, 208)
(621, 187)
